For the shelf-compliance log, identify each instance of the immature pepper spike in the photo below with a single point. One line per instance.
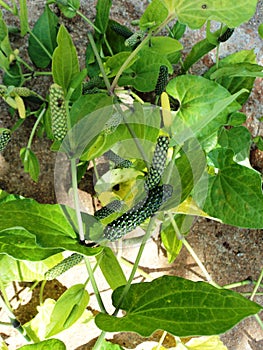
(58, 112)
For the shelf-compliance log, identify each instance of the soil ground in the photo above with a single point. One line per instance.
(230, 254)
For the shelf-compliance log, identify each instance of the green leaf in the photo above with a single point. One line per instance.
(171, 243)
(162, 45)
(30, 162)
(235, 197)
(114, 63)
(45, 345)
(260, 30)
(87, 104)
(102, 15)
(238, 70)
(178, 306)
(5, 47)
(111, 268)
(155, 14)
(238, 139)
(198, 51)
(21, 244)
(45, 30)
(68, 309)
(44, 225)
(26, 271)
(177, 31)
(242, 60)
(186, 171)
(70, 9)
(195, 14)
(145, 71)
(13, 76)
(204, 107)
(236, 119)
(65, 65)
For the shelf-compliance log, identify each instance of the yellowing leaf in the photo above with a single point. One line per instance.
(206, 343)
(12, 103)
(20, 106)
(189, 207)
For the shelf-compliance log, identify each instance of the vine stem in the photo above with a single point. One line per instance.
(136, 264)
(94, 48)
(76, 198)
(100, 339)
(257, 285)
(129, 59)
(95, 286)
(30, 140)
(191, 251)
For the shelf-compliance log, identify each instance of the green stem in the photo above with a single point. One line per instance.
(41, 292)
(94, 48)
(239, 284)
(136, 264)
(139, 270)
(8, 8)
(4, 303)
(94, 286)
(129, 59)
(76, 198)
(20, 60)
(88, 21)
(98, 344)
(191, 251)
(30, 140)
(257, 285)
(132, 133)
(260, 322)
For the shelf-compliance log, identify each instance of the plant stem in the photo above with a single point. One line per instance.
(161, 340)
(8, 8)
(139, 270)
(76, 198)
(191, 251)
(94, 48)
(259, 321)
(41, 292)
(4, 302)
(129, 59)
(30, 140)
(135, 266)
(257, 285)
(88, 21)
(94, 286)
(98, 344)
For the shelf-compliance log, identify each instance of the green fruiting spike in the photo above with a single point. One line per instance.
(139, 213)
(5, 137)
(109, 209)
(162, 80)
(117, 160)
(135, 38)
(63, 266)
(112, 123)
(22, 91)
(226, 35)
(58, 112)
(121, 29)
(93, 83)
(158, 163)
